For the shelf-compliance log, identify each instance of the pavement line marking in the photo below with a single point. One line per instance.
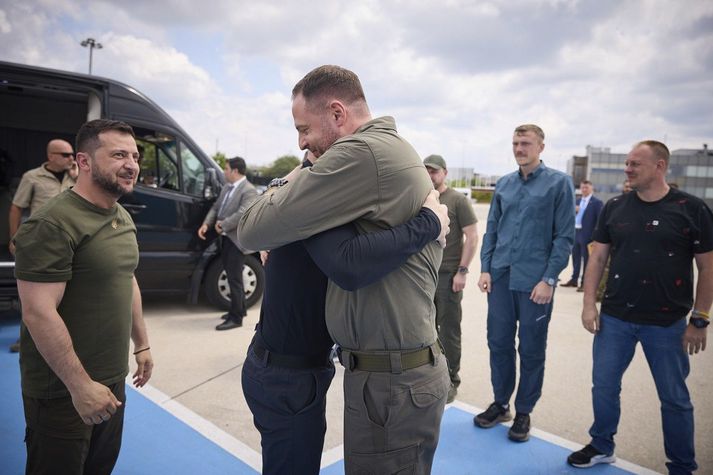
(331, 456)
(567, 444)
(203, 426)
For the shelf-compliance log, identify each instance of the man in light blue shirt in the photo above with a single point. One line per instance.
(527, 243)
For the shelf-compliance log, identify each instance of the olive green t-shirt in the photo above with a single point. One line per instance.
(94, 251)
(461, 214)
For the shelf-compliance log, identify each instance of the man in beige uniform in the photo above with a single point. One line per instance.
(396, 378)
(39, 185)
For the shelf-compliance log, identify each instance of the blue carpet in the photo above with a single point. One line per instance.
(156, 442)
(464, 449)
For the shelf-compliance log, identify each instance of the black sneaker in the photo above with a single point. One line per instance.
(494, 414)
(588, 457)
(520, 430)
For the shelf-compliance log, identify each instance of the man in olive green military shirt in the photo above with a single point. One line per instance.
(396, 377)
(461, 245)
(75, 262)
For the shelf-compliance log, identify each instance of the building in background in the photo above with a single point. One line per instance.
(690, 169)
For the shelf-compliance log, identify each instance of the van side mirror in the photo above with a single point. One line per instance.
(209, 191)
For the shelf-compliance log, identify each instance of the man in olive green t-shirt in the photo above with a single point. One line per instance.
(75, 262)
(454, 268)
(396, 378)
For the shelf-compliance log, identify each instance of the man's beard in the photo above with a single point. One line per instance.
(328, 138)
(104, 182)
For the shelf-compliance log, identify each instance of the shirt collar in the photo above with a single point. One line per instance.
(534, 173)
(235, 184)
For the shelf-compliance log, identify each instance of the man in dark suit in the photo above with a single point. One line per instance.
(224, 216)
(588, 209)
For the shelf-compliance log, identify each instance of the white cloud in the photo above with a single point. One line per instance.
(5, 26)
(457, 75)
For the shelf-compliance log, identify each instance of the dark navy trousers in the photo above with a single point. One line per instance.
(511, 312)
(288, 409)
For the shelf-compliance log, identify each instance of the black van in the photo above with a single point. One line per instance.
(176, 187)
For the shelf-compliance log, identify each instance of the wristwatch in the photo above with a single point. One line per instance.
(699, 322)
(276, 183)
(549, 281)
(462, 270)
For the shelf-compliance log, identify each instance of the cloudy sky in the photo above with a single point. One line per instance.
(458, 75)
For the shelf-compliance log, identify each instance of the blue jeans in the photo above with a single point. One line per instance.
(613, 350)
(505, 309)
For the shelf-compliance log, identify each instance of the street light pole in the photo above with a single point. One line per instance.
(91, 43)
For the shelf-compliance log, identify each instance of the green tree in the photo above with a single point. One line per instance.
(220, 159)
(280, 167)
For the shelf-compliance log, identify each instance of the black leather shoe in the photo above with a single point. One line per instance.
(225, 316)
(571, 283)
(229, 325)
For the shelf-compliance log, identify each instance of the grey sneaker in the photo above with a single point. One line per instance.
(520, 430)
(494, 414)
(588, 457)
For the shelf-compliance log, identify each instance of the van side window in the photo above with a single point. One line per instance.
(193, 172)
(159, 164)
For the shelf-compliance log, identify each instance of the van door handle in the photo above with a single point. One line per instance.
(134, 209)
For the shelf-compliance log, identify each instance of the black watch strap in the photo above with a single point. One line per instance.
(699, 322)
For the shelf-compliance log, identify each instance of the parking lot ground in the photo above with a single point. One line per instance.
(197, 382)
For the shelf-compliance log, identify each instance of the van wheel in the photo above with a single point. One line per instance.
(217, 289)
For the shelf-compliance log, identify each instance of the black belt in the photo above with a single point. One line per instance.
(291, 361)
(388, 362)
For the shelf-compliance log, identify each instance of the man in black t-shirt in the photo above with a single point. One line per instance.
(652, 236)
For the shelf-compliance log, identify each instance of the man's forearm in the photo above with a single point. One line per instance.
(139, 335)
(470, 247)
(704, 290)
(14, 218)
(55, 345)
(593, 274)
(50, 334)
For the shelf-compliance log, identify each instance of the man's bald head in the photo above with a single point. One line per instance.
(60, 155)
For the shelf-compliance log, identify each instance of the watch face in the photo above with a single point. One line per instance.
(699, 322)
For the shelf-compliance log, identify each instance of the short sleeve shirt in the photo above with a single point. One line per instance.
(652, 249)
(38, 186)
(94, 251)
(461, 214)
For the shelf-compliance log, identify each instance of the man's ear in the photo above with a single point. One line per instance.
(82, 160)
(338, 113)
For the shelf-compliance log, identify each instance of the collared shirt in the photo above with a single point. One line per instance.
(583, 202)
(377, 180)
(530, 229)
(38, 186)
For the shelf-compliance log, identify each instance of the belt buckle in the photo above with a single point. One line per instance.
(347, 355)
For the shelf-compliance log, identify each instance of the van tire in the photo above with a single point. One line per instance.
(216, 287)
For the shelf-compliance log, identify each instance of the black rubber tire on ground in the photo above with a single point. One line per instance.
(216, 286)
